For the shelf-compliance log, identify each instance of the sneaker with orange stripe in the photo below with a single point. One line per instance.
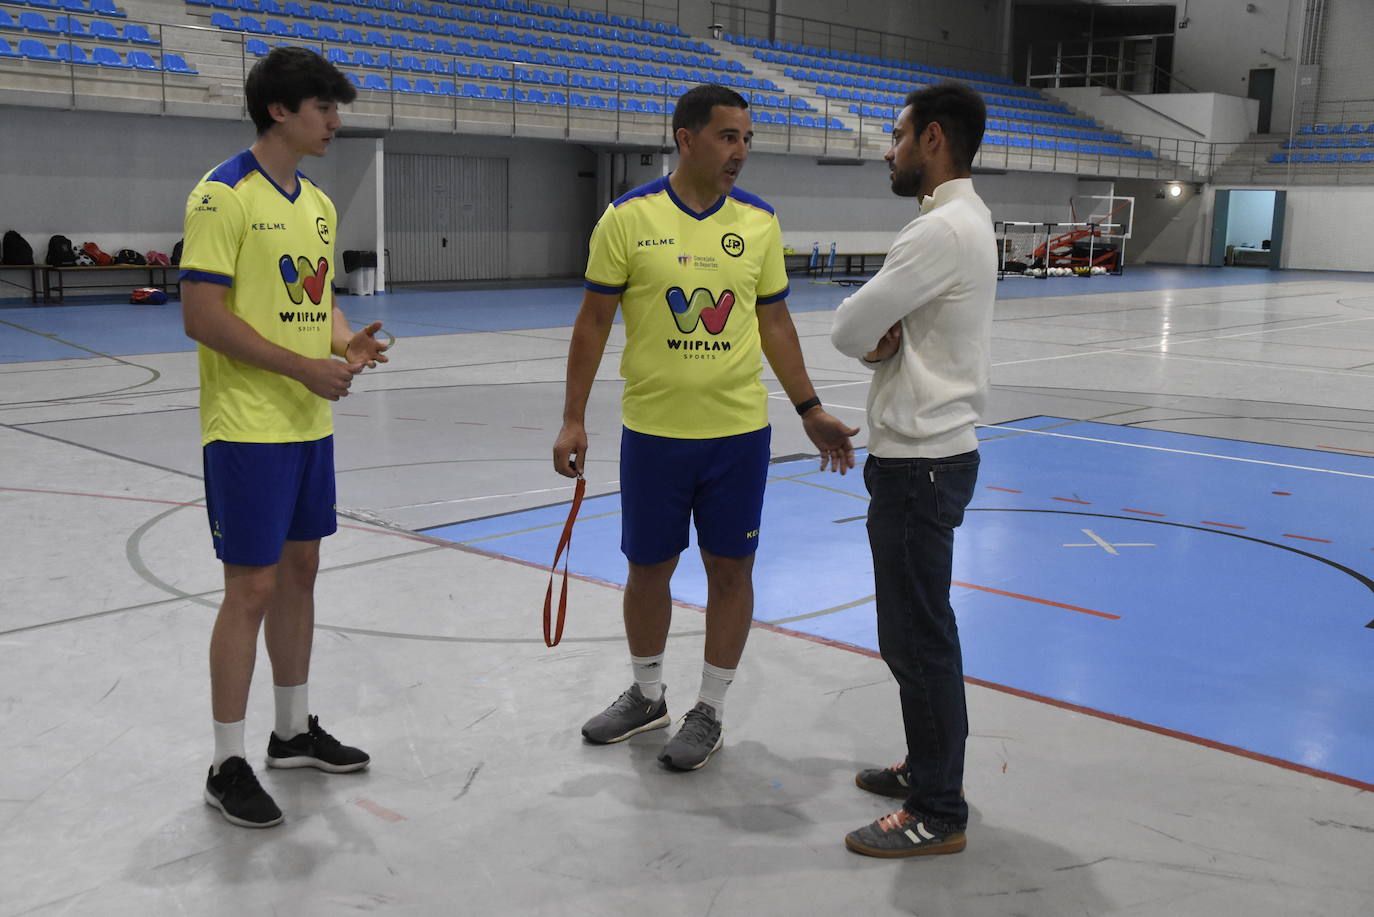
(902, 834)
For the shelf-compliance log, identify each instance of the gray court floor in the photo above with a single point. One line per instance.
(482, 799)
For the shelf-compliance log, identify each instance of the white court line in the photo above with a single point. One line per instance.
(1229, 458)
(1113, 442)
(1139, 352)
(821, 388)
(520, 493)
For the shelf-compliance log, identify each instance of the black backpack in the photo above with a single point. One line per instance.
(176, 252)
(15, 249)
(60, 252)
(129, 256)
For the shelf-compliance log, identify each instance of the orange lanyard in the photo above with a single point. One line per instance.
(564, 541)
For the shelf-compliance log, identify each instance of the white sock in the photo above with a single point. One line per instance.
(715, 681)
(293, 706)
(648, 675)
(228, 742)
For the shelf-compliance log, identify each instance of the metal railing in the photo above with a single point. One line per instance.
(223, 59)
(839, 36)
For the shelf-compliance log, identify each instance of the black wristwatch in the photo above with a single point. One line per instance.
(807, 405)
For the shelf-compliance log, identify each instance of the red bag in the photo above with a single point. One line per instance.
(158, 258)
(101, 258)
(147, 296)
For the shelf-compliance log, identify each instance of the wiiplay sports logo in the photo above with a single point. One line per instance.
(302, 280)
(704, 308)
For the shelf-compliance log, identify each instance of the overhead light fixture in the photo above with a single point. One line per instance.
(1175, 190)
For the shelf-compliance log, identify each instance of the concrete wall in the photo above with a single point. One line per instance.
(1327, 228)
(1195, 116)
(1223, 42)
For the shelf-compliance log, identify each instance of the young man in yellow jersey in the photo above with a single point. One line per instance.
(696, 265)
(258, 299)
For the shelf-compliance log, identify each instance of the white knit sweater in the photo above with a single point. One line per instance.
(939, 280)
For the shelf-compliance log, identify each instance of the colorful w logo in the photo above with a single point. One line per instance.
(300, 282)
(703, 307)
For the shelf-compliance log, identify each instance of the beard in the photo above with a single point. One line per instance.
(906, 182)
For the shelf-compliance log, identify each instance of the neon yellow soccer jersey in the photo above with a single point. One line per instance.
(689, 283)
(275, 253)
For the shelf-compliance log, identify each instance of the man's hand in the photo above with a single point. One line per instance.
(570, 450)
(831, 437)
(364, 347)
(888, 345)
(328, 378)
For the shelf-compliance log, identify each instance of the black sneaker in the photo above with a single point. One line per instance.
(902, 834)
(887, 781)
(235, 791)
(315, 748)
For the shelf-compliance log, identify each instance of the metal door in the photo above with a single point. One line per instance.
(446, 218)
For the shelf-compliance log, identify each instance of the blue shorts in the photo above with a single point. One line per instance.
(261, 495)
(717, 483)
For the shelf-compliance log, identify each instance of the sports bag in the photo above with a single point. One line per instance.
(102, 258)
(15, 250)
(158, 259)
(129, 256)
(60, 252)
(147, 296)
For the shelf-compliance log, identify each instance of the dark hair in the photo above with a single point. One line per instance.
(693, 109)
(958, 110)
(288, 75)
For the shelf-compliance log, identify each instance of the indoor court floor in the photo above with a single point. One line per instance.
(1165, 587)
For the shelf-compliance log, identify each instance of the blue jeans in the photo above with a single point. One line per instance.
(916, 505)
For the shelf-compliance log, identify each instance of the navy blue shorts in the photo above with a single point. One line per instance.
(717, 483)
(261, 495)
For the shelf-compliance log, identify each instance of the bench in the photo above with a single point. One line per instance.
(35, 285)
(54, 278)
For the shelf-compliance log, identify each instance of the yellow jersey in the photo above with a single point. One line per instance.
(688, 284)
(275, 253)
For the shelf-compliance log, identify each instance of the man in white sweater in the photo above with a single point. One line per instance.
(923, 324)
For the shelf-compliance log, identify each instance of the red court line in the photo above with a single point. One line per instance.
(1225, 525)
(872, 654)
(381, 812)
(1072, 500)
(1141, 512)
(1347, 449)
(1102, 715)
(1038, 601)
(1306, 538)
(77, 493)
(1004, 489)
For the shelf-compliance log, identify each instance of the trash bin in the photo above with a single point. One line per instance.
(361, 268)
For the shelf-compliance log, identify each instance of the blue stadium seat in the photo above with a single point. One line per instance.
(173, 63)
(354, 37)
(373, 81)
(142, 60)
(68, 25)
(557, 98)
(302, 30)
(107, 8)
(353, 78)
(447, 88)
(7, 21)
(218, 20)
(251, 25)
(375, 38)
(437, 65)
(278, 28)
(108, 57)
(36, 22)
(33, 49)
(257, 47)
(471, 91)
(292, 8)
(139, 35)
(6, 50)
(401, 84)
(67, 51)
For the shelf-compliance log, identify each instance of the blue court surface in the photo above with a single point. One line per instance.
(1213, 589)
(116, 328)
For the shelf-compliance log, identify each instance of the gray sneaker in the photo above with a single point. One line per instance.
(631, 714)
(696, 740)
